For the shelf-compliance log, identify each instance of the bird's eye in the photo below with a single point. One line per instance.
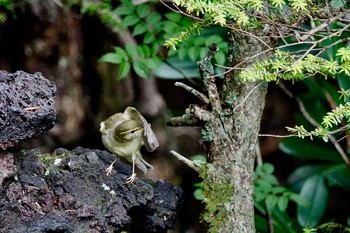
(132, 131)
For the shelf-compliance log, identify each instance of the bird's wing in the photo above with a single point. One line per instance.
(149, 138)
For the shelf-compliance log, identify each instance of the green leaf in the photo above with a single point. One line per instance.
(124, 70)
(282, 203)
(128, 4)
(149, 38)
(268, 168)
(282, 220)
(315, 192)
(171, 28)
(130, 20)
(307, 149)
(193, 53)
(272, 179)
(220, 58)
(203, 52)
(199, 41)
(340, 176)
(141, 69)
(213, 39)
(121, 52)
(146, 50)
(271, 201)
(152, 63)
(139, 29)
(279, 190)
(182, 53)
(301, 174)
(142, 10)
(177, 69)
(124, 10)
(264, 185)
(113, 58)
(153, 18)
(172, 16)
(132, 51)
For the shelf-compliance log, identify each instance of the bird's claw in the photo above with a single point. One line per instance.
(131, 179)
(109, 170)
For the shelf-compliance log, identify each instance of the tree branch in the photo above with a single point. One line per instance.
(207, 72)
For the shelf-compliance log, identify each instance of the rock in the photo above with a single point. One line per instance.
(68, 191)
(27, 107)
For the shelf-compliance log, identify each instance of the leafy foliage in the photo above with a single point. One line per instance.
(268, 190)
(6, 7)
(152, 30)
(325, 168)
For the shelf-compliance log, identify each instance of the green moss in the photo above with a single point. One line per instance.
(99, 202)
(216, 195)
(51, 158)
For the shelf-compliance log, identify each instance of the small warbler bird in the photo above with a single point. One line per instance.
(124, 134)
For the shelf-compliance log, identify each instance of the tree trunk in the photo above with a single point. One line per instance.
(231, 121)
(231, 134)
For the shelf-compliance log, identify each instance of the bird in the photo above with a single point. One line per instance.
(124, 134)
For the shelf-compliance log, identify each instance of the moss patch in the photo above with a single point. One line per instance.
(216, 195)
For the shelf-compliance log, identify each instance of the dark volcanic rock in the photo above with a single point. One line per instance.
(68, 191)
(27, 107)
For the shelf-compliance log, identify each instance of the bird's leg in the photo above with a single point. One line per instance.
(131, 179)
(110, 168)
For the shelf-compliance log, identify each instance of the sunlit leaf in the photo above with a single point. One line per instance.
(132, 51)
(124, 69)
(141, 69)
(113, 58)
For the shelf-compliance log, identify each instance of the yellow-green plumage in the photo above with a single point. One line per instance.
(124, 134)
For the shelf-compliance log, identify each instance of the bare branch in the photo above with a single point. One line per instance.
(193, 91)
(186, 161)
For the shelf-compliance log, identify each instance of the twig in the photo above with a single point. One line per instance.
(321, 26)
(193, 91)
(186, 161)
(316, 124)
(277, 136)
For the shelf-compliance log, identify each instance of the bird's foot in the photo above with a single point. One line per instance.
(131, 179)
(109, 170)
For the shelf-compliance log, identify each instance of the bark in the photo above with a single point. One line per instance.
(231, 125)
(232, 150)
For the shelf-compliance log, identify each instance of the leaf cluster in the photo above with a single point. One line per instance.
(268, 190)
(6, 7)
